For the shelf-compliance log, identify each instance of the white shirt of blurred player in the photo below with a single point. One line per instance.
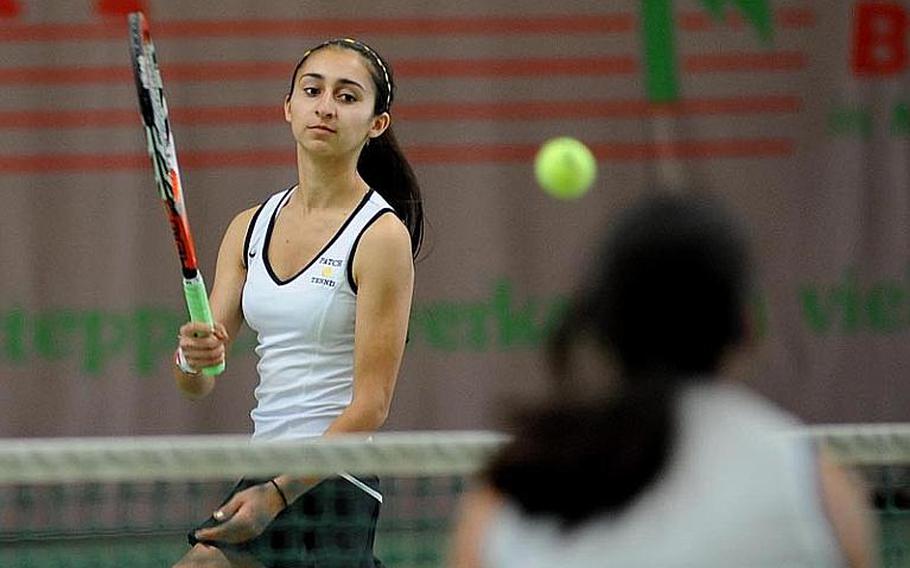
(739, 490)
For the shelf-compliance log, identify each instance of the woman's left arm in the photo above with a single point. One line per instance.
(384, 274)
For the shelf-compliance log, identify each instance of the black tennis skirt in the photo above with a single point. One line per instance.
(333, 525)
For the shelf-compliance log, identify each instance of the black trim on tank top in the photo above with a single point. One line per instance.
(246, 243)
(350, 264)
(268, 239)
(249, 233)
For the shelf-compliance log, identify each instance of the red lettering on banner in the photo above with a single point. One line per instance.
(879, 38)
(118, 7)
(10, 8)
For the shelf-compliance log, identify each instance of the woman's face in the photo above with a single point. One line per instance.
(331, 106)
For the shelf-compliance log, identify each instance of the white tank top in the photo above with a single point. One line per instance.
(738, 491)
(304, 325)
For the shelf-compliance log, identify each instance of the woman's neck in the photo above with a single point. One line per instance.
(327, 183)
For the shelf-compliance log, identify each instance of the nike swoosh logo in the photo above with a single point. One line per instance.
(252, 253)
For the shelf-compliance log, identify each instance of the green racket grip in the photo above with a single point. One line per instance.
(197, 300)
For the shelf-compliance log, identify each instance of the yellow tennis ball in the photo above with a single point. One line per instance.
(565, 168)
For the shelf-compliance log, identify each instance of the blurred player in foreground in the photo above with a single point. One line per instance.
(677, 465)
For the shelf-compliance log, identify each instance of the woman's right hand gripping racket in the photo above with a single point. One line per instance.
(153, 108)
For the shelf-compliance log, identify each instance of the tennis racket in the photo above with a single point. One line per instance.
(153, 108)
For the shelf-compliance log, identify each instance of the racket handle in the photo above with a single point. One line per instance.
(197, 300)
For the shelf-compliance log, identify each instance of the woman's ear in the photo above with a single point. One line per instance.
(287, 108)
(380, 123)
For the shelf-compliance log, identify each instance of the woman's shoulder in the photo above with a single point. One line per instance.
(384, 250)
(386, 230)
(726, 400)
(241, 221)
(247, 214)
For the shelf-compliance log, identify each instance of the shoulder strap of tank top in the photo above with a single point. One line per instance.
(268, 205)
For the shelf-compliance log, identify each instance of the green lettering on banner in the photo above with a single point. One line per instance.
(528, 325)
(106, 336)
(449, 326)
(885, 305)
(857, 120)
(816, 310)
(854, 121)
(155, 337)
(439, 323)
(516, 325)
(821, 307)
(900, 120)
(13, 334)
(502, 321)
(658, 31)
(476, 317)
(879, 308)
(53, 331)
(847, 296)
(661, 80)
(757, 12)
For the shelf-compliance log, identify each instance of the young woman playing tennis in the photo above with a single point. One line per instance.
(323, 272)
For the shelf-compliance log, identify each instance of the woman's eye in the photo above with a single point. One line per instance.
(311, 91)
(347, 97)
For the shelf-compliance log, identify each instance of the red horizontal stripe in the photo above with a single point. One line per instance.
(70, 118)
(523, 67)
(611, 152)
(115, 162)
(428, 154)
(38, 163)
(413, 68)
(471, 25)
(698, 149)
(549, 110)
(259, 70)
(330, 27)
(113, 29)
(727, 62)
(514, 110)
(787, 18)
(54, 75)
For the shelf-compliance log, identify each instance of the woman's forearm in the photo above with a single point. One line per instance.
(357, 417)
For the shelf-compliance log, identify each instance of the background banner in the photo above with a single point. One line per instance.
(797, 112)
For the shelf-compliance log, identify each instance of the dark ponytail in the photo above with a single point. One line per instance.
(384, 167)
(583, 457)
(382, 164)
(666, 303)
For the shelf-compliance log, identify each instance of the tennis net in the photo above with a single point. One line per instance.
(880, 453)
(131, 501)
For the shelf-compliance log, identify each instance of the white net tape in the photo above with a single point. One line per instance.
(228, 457)
(63, 460)
(866, 444)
